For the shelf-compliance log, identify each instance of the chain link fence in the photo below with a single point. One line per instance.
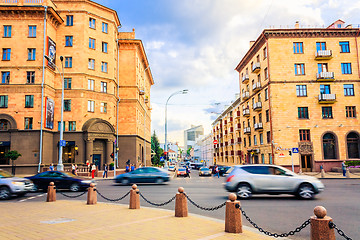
(340, 232)
(71, 196)
(112, 200)
(205, 208)
(157, 204)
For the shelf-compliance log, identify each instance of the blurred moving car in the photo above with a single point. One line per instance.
(223, 170)
(204, 171)
(247, 180)
(62, 180)
(172, 168)
(182, 172)
(144, 175)
(13, 186)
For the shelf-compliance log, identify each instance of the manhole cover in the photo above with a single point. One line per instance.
(59, 220)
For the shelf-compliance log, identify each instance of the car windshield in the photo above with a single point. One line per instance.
(204, 169)
(5, 174)
(182, 169)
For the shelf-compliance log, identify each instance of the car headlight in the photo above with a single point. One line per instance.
(87, 181)
(18, 183)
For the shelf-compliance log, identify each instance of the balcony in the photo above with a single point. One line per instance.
(256, 67)
(237, 114)
(245, 96)
(257, 106)
(256, 87)
(247, 130)
(258, 126)
(246, 112)
(327, 98)
(325, 76)
(238, 127)
(323, 54)
(245, 78)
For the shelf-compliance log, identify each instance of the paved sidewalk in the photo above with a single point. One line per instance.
(76, 220)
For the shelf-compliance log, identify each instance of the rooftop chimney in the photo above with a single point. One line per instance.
(297, 24)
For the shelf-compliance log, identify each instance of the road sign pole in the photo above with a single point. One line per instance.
(292, 160)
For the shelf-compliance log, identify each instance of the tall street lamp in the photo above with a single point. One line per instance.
(62, 143)
(185, 91)
(145, 117)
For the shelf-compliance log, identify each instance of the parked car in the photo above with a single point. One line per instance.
(172, 168)
(13, 186)
(247, 180)
(144, 175)
(204, 171)
(62, 180)
(182, 172)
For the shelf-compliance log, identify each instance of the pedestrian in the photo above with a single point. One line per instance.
(132, 167)
(188, 171)
(51, 168)
(217, 171)
(105, 170)
(73, 169)
(321, 167)
(127, 169)
(89, 169)
(76, 169)
(343, 166)
(93, 170)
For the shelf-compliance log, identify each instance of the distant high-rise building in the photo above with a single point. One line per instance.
(191, 135)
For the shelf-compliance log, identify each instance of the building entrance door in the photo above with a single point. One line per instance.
(97, 160)
(306, 163)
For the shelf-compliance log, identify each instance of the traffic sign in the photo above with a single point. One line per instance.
(215, 142)
(295, 150)
(281, 155)
(62, 143)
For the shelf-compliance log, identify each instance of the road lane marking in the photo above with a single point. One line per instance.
(29, 198)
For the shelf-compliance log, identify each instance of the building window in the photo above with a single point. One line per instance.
(72, 126)
(92, 23)
(68, 41)
(348, 89)
(104, 47)
(298, 47)
(268, 137)
(59, 124)
(322, 67)
(32, 31)
(6, 54)
(104, 87)
(304, 135)
(261, 139)
(255, 140)
(266, 94)
(68, 62)
(30, 77)
(346, 68)
(249, 139)
(31, 54)
(353, 144)
(28, 123)
(244, 142)
(265, 52)
(344, 47)
(325, 89)
(4, 125)
(91, 64)
(260, 117)
(91, 43)
(301, 91)
(303, 113)
(350, 111)
(67, 83)
(329, 146)
(29, 101)
(91, 84)
(267, 115)
(67, 105)
(327, 112)
(266, 73)
(91, 106)
(104, 67)
(103, 107)
(299, 69)
(7, 31)
(4, 101)
(320, 46)
(5, 77)
(69, 20)
(104, 27)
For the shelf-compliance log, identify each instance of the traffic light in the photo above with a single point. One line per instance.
(112, 155)
(290, 153)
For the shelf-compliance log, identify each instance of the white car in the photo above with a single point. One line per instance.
(247, 180)
(10, 185)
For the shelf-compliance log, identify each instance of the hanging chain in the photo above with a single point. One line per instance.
(112, 200)
(205, 208)
(157, 204)
(340, 232)
(72, 196)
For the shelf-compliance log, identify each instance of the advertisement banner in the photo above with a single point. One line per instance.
(51, 52)
(49, 122)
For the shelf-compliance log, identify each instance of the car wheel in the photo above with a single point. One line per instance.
(125, 181)
(159, 181)
(306, 191)
(75, 187)
(5, 193)
(244, 191)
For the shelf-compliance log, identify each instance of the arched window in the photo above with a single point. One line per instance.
(329, 146)
(353, 145)
(4, 124)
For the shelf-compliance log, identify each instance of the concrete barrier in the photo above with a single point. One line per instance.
(134, 198)
(320, 229)
(181, 208)
(233, 222)
(92, 195)
(51, 193)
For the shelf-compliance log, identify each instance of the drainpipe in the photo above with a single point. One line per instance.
(117, 108)
(357, 52)
(42, 93)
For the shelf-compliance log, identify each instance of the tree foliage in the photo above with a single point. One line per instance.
(13, 155)
(155, 148)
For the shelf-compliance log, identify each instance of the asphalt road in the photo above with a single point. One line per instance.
(279, 213)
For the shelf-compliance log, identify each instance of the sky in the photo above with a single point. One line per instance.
(196, 45)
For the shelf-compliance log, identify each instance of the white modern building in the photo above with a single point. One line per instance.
(190, 137)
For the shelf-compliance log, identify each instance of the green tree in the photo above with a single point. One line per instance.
(155, 148)
(13, 155)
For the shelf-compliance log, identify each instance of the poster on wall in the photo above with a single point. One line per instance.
(51, 52)
(49, 122)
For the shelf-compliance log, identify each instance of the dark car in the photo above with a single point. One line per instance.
(62, 180)
(144, 175)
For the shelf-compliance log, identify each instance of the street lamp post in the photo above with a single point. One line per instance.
(60, 166)
(185, 91)
(145, 117)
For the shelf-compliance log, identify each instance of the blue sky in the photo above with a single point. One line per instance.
(196, 44)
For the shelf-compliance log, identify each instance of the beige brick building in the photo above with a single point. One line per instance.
(106, 87)
(299, 88)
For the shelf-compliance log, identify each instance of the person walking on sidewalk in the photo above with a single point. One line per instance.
(132, 168)
(343, 166)
(51, 168)
(93, 170)
(188, 171)
(105, 170)
(73, 169)
(217, 171)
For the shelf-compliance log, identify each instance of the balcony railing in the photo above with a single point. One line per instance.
(246, 112)
(247, 130)
(257, 106)
(258, 126)
(327, 98)
(256, 86)
(323, 54)
(245, 78)
(245, 95)
(256, 67)
(325, 76)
